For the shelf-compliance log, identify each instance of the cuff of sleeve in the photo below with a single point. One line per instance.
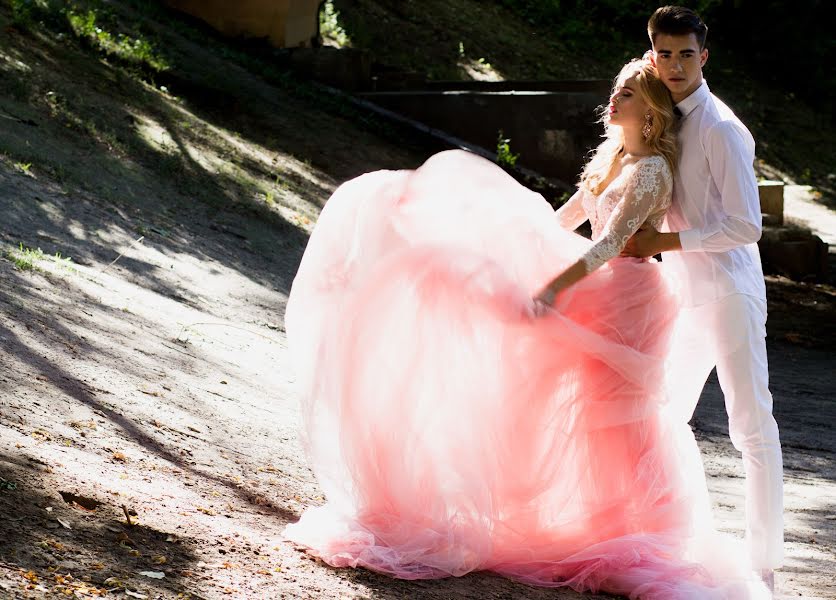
(690, 240)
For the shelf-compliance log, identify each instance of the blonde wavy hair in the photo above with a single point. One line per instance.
(662, 138)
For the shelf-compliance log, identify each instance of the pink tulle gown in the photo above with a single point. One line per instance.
(453, 428)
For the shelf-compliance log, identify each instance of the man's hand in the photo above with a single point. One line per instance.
(649, 242)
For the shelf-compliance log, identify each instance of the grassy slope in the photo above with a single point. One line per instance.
(796, 141)
(220, 129)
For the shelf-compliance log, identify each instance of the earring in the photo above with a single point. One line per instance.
(648, 125)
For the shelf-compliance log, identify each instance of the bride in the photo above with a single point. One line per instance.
(455, 424)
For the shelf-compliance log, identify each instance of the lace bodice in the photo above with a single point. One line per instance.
(640, 194)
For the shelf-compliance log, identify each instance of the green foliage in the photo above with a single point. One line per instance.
(94, 26)
(24, 168)
(329, 25)
(25, 258)
(787, 54)
(134, 50)
(504, 156)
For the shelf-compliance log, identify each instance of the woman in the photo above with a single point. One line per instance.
(455, 424)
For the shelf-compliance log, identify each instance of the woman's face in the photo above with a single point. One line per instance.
(627, 106)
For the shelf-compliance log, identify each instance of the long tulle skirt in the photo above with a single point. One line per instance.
(453, 427)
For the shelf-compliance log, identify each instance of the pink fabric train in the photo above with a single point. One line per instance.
(453, 430)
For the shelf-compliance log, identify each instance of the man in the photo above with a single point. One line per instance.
(709, 244)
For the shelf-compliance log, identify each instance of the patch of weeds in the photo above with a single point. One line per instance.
(504, 156)
(132, 50)
(25, 168)
(64, 262)
(25, 258)
(90, 25)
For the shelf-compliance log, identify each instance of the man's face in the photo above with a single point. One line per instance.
(679, 62)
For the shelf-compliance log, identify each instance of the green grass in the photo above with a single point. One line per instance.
(94, 24)
(504, 156)
(25, 258)
(25, 168)
(137, 50)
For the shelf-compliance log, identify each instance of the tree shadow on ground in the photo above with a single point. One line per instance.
(27, 309)
(91, 110)
(48, 539)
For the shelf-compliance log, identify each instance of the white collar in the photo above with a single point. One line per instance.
(697, 97)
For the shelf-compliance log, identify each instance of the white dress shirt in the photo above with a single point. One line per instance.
(715, 206)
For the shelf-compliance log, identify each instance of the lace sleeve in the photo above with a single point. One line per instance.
(648, 188)
(572, 215)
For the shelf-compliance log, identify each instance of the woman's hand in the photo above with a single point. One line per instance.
(547, 294)
(567, 278)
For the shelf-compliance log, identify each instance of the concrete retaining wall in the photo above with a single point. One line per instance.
(285, 23)
(552, 125)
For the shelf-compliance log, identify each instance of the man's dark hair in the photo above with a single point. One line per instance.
(676, 20)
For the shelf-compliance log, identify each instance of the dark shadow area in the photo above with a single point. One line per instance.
(474, 585)
(478, 585)
(36, 543)
(788, 113)
(803, 406)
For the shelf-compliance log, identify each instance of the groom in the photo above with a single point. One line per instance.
(709, 242)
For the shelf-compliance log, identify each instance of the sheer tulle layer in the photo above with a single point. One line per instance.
(452, 429)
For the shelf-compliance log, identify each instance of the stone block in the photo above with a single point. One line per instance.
(794, 253)
(771, 195)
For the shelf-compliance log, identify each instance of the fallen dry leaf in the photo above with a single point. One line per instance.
(153, 574)
(79, 501)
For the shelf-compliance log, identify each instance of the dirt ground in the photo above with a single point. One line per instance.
(161, 385)
(148, 421)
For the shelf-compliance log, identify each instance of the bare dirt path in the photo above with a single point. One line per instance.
(175, 400)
